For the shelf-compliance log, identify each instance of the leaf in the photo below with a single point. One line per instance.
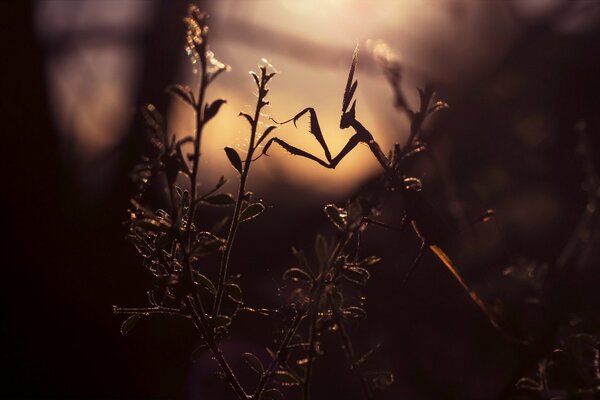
(296, 275)
(129, 323)
(148, 224)
(438, 105)
(198, 351)
(151, 298)
(252, 211)
(334, 215)
(183, 93)
(234, 292)
(207, 243)
(356, 274)
(154, 120)
(269, 129)
(271, 353)
(272, 394)
(354, 214)
(248, 118)
(528, 384)
(254, 363)
(299, 254)
(234, 159)
(266, 133)
(255, 77)
(221, 199)
(185, 199)
(205, 283)
(369, 261)
(269, 76)
(211, 110)
(286, 378)
(178, 147)
(355, 313)
(380, 379)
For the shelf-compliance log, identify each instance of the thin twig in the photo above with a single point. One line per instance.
(240, 197)
(150, 310)
(349, 352)
(312, 337)
(281, 351)
(203, 326)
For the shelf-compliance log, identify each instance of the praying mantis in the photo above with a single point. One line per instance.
(418, 214)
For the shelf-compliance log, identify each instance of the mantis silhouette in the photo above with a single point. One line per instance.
(419, 215)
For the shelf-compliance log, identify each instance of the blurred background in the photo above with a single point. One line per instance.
(518, 75)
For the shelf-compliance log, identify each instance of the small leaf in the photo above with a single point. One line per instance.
(254, 363)
(272, 394)
(178, 148)
(271, 353)
(369, 261)
(207, 243)
(356, 274)
(438, 105)
(212, 109)
(151, 298)
(183, 93)
(334, 215)
(221, 199)
(198, 351)
(269, 76)
(528, 384)
(252, 211)
(380, 379)
(205, 283)
(234, 159)
(286, 378)
(266, 133)
(355, 313)
(296, 275)
(148, 224)
(234, 292)
(354, 211)
(269, 129)
(129, 323)
(255, 77)
(248, 118)
(300, 257)
(155, 121)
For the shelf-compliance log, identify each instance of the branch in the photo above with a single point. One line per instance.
(349, 352)
(312, 336)
(260, 103)
(150, 310)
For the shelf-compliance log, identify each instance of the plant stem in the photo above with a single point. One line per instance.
(150, 310)
(312, 337)
(240, 198)
(192, 299)
(279, 355)
(350, 356)
(202, 324)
